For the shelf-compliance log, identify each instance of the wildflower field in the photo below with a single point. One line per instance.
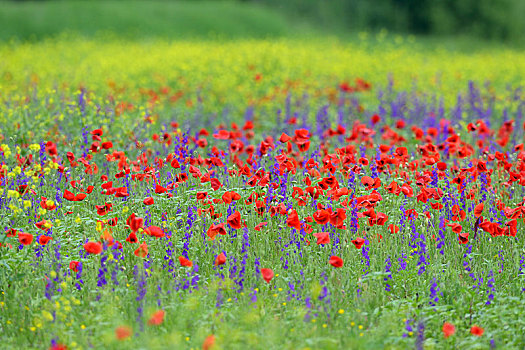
(283, 194)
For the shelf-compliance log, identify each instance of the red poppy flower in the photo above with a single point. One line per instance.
(44, 205)
(407, 190)
(25, 238)
(463, 237)
(123, 332)
(448, 329)
(393, 228)
(338, 217)
(134, 222)
(97, 133)
(121, 192)
(142, 250)
(321, 217)
(104, 209)
(478, 209)
(322, 238)
(363, 161)
(73, 265)
(157, 318)
(442, 166)
(43, 240)
(456, 228)
(234, 220)
(93, 247)
(68, 195)
(159, 189)
(215, 184)
(293, 220)
(43, 225)
(216, 229)
(260, 226)
(367, 181)
(202, 195)
(209, 342)
(336, 261)
(11, 232)
(436, 206)
(358, 242)
(222, 135)
(220, 259)
(132, 238)
(148, 201)
(51, 149)
(79, 197)
(175, 163)
(284, 138)
(112, 222)
(154, 231)
(477, 331)
(267, 274)
(185, 262)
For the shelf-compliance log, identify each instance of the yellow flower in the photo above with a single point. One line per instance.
(13, 194)
(47, 315)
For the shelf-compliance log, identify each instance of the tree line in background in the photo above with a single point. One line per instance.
(493, 19)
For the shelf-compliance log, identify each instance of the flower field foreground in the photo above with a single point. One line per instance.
(222, 196)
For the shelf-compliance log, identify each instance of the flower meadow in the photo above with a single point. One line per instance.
(260, 195)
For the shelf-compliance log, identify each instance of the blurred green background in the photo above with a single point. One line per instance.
(496, 20)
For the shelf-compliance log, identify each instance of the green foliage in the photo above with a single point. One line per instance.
(493, 19)
(139, 19)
